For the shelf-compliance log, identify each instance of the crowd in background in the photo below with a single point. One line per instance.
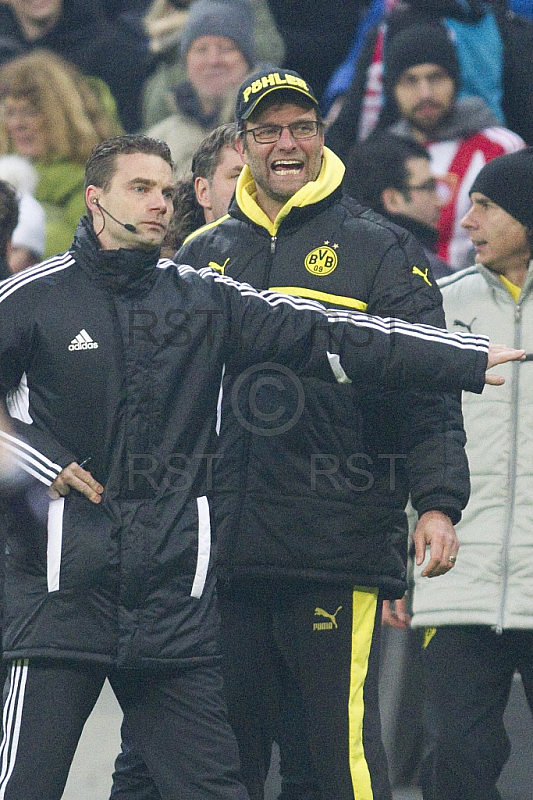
(75, 71)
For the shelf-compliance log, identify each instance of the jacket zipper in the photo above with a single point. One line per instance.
(511, 473)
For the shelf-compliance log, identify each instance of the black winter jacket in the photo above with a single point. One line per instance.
(315, 481)
(105, 355)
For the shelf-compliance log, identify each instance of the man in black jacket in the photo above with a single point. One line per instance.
(392, 175)
(121, 585)
(110, 356)
(312, 507)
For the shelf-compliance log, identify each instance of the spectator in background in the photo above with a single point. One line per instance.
(392, 175)
(28, 239)
(461, 134)
(493, 46)
(215, 168)
(187, 216)
(206, 194)
(9, 217)
(51, 116)
(478, 619)
(217, 44)
(164, 23)
(79, 31)
(366, 113)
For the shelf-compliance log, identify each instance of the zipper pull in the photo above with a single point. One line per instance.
(273, 240)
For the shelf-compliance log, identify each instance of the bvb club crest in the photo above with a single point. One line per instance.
(321, 260)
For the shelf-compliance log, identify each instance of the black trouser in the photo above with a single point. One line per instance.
(281, 655)
(176, 720)
(132, 780)
(323, 635)
(469, 672)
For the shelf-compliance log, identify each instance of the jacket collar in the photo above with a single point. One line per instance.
(187, 101)
(469, 115)
(122, 271)
(493, 279)
(425, 234)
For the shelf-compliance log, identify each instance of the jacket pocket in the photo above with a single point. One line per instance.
(204, 546)
(54, 543)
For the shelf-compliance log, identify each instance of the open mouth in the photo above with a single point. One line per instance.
(287, 167)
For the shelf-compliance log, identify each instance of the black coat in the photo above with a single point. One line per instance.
(316, 489)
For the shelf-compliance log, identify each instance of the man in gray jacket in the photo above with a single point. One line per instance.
(479, 617)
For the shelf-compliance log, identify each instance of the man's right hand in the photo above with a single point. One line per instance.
(499, 354)
(75, 477)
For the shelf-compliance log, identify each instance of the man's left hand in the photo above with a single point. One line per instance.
(436, 530)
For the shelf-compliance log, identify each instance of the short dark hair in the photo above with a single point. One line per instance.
(9, 215)
(379, 163)
(207, 157)
(188, 215)
(101, 164)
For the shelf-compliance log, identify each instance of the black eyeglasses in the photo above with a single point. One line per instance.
(266, 134)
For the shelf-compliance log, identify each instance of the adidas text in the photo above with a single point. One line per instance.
(83, 346)
(83, 342)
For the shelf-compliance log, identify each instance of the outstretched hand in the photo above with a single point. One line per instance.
(499, 354)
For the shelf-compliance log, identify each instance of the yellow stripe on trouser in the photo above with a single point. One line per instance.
(363, 618)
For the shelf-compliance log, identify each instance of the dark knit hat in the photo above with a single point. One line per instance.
(508, 182)
(267, 80)
(232, 19)
(419, 43)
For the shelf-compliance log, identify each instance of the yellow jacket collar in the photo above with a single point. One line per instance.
(329, 178)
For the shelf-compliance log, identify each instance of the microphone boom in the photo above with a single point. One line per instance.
(127, 225)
